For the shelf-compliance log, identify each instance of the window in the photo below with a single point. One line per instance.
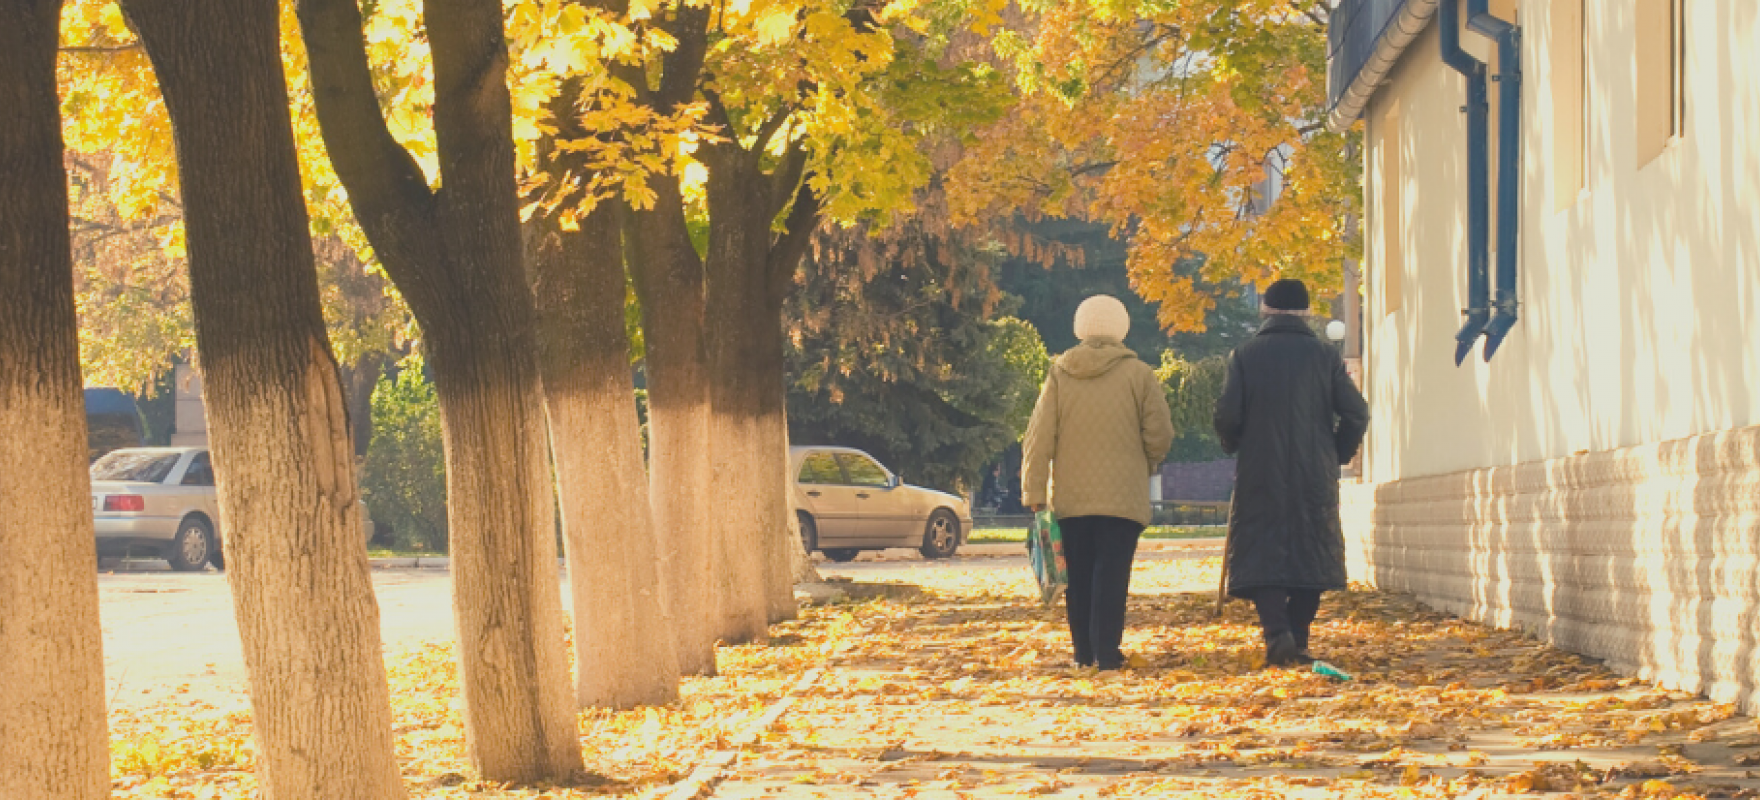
(1570, 107)
(140, 466)
(1659, 51)
(200, 471)
(864, 471)
(1392, 226)
(821, 468)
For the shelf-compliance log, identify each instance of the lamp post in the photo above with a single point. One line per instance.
(1335, 331)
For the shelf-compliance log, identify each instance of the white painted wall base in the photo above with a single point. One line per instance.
(1647, 557)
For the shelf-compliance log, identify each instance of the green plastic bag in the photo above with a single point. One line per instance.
(1045, 551)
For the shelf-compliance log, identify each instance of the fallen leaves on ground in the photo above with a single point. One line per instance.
(963, 689)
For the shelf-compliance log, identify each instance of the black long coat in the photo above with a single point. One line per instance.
(1291, 415)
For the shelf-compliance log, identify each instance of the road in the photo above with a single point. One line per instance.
(171, 635)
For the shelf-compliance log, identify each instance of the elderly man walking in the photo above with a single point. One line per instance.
(1292, 416)
(1098, 432)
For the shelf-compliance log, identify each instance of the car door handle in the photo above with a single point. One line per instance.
(863, 495)
(814, 494)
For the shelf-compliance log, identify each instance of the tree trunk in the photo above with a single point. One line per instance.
(455, 254)
(669, 280)
(745, 446)
(783, 553)
(289, 501)
(359, 381)
(52, 732)
(749, 271)
(608, 524)
(788, 560)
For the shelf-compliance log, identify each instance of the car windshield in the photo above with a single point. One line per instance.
(143, 466)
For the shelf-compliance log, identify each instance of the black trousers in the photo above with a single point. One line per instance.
(1282, 609)
(1098, 551)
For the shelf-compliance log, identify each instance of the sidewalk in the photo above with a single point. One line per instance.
(965, 692)
(948, 680)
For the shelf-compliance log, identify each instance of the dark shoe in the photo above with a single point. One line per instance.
(1281, 651)
(1118, 661)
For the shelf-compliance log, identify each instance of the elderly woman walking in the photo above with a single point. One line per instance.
(1099, 431)
(1291, 415)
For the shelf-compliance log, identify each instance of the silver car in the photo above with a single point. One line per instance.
(847, 502)
(157, 501)
(161, 501)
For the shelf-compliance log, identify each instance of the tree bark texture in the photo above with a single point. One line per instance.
(787, 559)
(289, 501)
(359, 381)
(608, 525)
(749, 271)
(668, 277)
(53, 742)
(753, 503)
(455, 255)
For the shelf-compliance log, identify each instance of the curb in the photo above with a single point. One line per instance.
(427, 562)
(702, 781)
(433, 562)
(981, 550)
(1020, 548)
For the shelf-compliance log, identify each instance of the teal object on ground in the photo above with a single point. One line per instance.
(1323, 668)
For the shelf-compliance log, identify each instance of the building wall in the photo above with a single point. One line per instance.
(1640, 291)
(1598, 482)
(190, 427)
(1647, 557)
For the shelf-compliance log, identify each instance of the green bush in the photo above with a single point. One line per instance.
(405, 475)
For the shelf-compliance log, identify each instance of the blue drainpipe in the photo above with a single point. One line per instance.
(1509, 111)
(1478, 310)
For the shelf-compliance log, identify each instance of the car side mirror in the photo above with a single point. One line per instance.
(894, 482)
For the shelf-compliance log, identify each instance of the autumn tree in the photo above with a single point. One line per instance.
(794, 112)
(52, 730)
(131, 273)
(288, 498)
(624, 651)
(901, 344)
(455, 254)
(1191, 129)
(131, 279)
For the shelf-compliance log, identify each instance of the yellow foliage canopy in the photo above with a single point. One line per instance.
(1191, 128)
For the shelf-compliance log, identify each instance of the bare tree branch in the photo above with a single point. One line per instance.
(101, 49)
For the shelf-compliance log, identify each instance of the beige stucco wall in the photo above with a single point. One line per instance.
(1640, 294)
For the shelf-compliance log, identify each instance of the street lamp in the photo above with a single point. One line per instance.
(1335, 332)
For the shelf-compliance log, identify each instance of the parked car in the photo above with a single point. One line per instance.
(161, 501)
(847, 502)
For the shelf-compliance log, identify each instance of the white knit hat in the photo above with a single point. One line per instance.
(1102, 316)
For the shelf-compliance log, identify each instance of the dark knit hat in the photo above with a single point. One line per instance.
(1288, 294)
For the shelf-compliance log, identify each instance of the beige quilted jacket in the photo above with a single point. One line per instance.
(1100, 429)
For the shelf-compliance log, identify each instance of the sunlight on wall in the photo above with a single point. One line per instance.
(1646, 556)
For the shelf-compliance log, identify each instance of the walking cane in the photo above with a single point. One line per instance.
(1227, 549)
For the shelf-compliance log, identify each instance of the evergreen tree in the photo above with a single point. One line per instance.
(901, 345)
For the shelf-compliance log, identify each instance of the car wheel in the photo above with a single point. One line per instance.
(190, 548)
(941, 535)
(841, 554)
(809, 532)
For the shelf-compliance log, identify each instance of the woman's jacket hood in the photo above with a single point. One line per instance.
(1093, 358)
